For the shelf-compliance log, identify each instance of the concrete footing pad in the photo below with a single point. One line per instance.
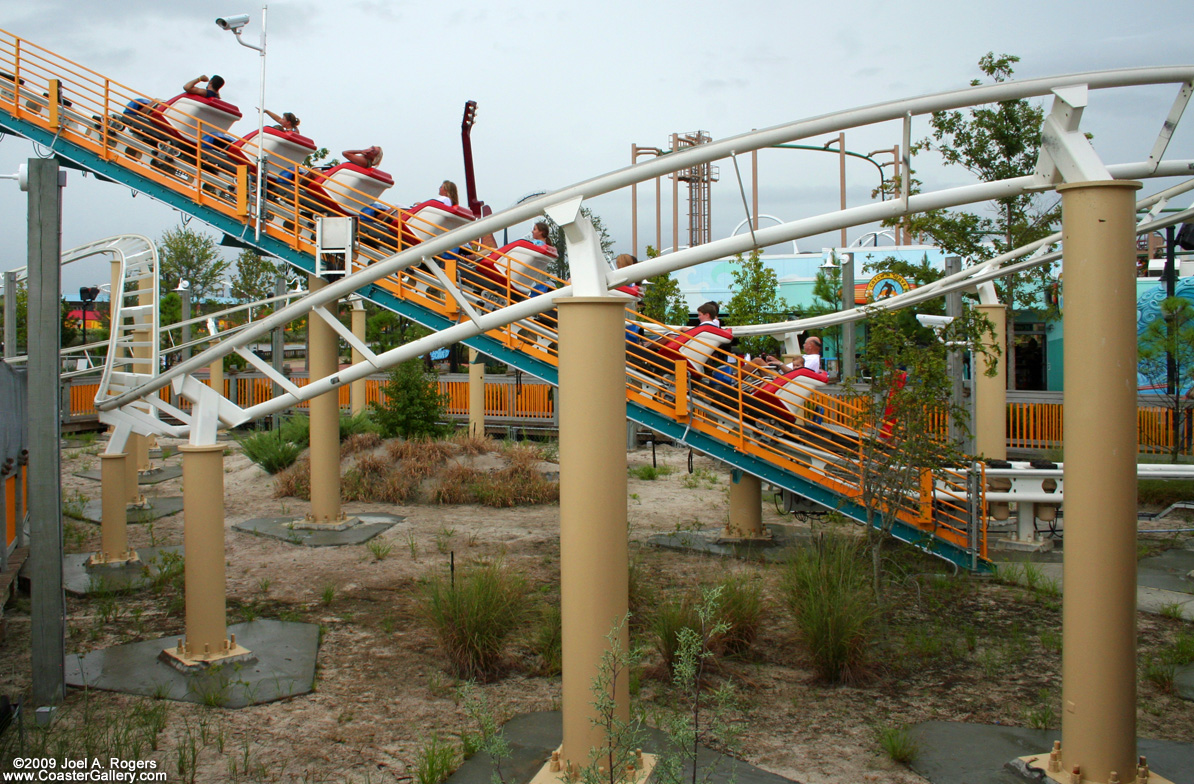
(533, 737)
(93, 511)
(79, 579)
(282, 665)
(711, 541)
(291, 529)
(156, 476)
(957, 753)
(1183, 684)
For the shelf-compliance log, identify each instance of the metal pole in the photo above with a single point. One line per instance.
(953, 308)
(10, 314)
(846, 349)
(277, 347)
(261, 153)
(634, 203)
(186, 329)
(675, 199)
(754, 187)
(841, 155)
(1170, 291)
(45, 490)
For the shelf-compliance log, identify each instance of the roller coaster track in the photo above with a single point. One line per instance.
(427, 273)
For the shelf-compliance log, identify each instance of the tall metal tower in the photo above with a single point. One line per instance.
(698, 178)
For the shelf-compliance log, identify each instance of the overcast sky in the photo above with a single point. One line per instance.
(565, 88)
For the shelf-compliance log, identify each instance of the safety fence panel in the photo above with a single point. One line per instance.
(1034, 425)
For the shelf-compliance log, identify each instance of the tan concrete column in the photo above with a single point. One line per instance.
(138, 445)
(357, 391)
(325, 418)
(203, 540)
(114, 535)
(130, 487)
(476, 394)
(593, 554)
(990, 392)
(1098, 718)
(216, 375)
(746, 507)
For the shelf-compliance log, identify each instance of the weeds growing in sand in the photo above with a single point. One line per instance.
(474, 615)
(827, 588)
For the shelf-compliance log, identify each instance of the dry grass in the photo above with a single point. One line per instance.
(375, 478)
(420, 451)
(294, 481)
(398, 475)
(359, 442)
(454, 485)
(472, 445)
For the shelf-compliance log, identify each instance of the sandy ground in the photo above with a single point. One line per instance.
(382, 690)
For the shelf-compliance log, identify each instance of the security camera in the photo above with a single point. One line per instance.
(935, 323)
(233, 23)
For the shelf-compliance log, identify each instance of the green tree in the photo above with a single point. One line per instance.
(1171, 336)
(662, 300)
(411, 405)
(909, 388)
(556, 234)
(385, 329)
(756, 300)
(255, 277)
(188, 255)
(994, 143)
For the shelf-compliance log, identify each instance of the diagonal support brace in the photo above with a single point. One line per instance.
(586, 260)
(1066, 153)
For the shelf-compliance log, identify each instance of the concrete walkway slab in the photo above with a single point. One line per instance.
(1168, 570)
(958, 753)
(159, 507)
(80, 580)
(156, 476)
(707, 541)
(1183, 684)
(283, 665)
(1148, 599)
(284, 528)
(533, 736)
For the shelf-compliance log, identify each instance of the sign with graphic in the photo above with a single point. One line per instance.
(439, 355)
(885, 285)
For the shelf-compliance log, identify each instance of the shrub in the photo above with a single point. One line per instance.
(649, 473)
(741, 607)
(827, 589)
(294, 481)
(548, 640)
(669, 620)
(1163, 492)
(473, 617)
(899, 744)
(270, 451)
(412, 405)
(435, 761)
(296, 429)
(356, 424)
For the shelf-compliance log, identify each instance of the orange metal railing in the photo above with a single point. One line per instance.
(41, 83)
